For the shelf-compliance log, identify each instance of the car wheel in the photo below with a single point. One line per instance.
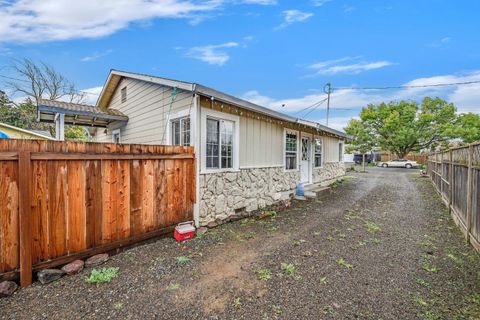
(384, 165)
(408, 166)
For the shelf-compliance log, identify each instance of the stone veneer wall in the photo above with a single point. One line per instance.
(329, 172)
(247, 190)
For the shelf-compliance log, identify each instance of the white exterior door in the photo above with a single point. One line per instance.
(305, 160)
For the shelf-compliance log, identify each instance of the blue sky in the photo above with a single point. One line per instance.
(270, 52)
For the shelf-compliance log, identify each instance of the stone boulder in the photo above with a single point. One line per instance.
(96, 260)
(49, 275)
(73, 267)
(7, 288)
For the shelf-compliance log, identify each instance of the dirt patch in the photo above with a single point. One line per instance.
(380, 246)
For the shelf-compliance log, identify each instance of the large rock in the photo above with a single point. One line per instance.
(49, 275)
(73, 267)
(7, 288)
(96, 260)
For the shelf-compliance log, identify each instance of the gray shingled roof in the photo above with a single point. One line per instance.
(75, 113)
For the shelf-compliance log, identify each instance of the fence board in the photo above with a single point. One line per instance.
(89, 197)
(456, 176)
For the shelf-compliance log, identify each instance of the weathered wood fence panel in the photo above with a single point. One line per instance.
(65, 200)
(456, 176)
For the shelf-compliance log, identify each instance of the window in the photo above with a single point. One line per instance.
(116, 136)
(219, 148)
(124, 94)
(340, 152)
(290, 150)
(181, 132)
(318, 152)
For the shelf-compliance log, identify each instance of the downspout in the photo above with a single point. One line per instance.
(197, 149)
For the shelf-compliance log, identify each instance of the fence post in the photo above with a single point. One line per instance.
(469, 190)
(450, 180)
(25, 217)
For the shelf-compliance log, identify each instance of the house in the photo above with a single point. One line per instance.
(11, 132)
(247, 156)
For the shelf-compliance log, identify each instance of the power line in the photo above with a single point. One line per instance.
(23, 80)
(318, 105)
(311, 106)
(410, 86)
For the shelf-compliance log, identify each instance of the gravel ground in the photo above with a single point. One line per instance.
(380, 246)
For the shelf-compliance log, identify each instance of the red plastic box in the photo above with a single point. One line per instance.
(184, 231)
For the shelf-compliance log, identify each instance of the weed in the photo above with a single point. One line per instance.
(343, 263)
(182, 260)
(289, 268)
(323, 280)
(118, 305)
(272, 214)
(330, 238)
(237, 303)
(457, 260)
(249, 235)
(419, 300)
(264, 274)
(429, 315)
(427, 267)
(422, 282)
(173, 286)
(316, 233)
(102, 276)
(372, 227)
(277, 309)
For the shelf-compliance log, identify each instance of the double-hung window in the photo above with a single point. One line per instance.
(219, 147)
(181, 131)
(291, 145)
(318, 152)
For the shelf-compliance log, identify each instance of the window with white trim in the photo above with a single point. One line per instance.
(340, 151)
(318, 152)
(181, 131)
(291, 145)
(219, 146)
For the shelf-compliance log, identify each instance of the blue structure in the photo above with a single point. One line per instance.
(3, 135)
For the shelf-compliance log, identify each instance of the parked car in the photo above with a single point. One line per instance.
(398, 163)
(369, 157)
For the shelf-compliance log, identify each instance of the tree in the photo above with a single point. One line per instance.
(40, 80)
(404, 126)
(361, 139)
(467, 127)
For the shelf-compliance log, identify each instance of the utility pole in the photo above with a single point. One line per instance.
(328, 89)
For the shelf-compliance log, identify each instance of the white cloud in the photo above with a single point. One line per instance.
(95, 56)
(347, 65)
(50, 20)
(465, 97)
(319, 3)
(292, 16)
(212, 54)
(92, 94)
(440, 43)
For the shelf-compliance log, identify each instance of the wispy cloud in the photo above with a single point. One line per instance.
(346, 65)
(440, 43)
(95, 56)
(348, 9)
(319, 3)
(293, 16)
(54, 20)
(213, 54)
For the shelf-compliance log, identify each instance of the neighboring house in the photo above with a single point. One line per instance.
(11, 132)
(248, 156)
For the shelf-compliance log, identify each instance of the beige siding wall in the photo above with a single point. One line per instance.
(330, 149)
(261, 143)
(147, 108)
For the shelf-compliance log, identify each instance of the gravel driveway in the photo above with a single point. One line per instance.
(380, 246)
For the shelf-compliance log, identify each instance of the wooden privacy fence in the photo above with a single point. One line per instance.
(61, 201)
(420, 158)
(456, 176)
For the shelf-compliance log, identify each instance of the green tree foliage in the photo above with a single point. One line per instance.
(467, 127)
(404, 126)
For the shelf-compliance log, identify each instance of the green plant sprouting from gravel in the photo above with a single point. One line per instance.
(102, 276)
(118, 305)
(343, 263)
(289, 268)
(455, 259)
(427, 267)
(264, 274)
(173, 286)
(182, 260)
(420, 301)
(323, 280)
(372, 227)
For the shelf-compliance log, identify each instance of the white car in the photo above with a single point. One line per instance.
(398, 163)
